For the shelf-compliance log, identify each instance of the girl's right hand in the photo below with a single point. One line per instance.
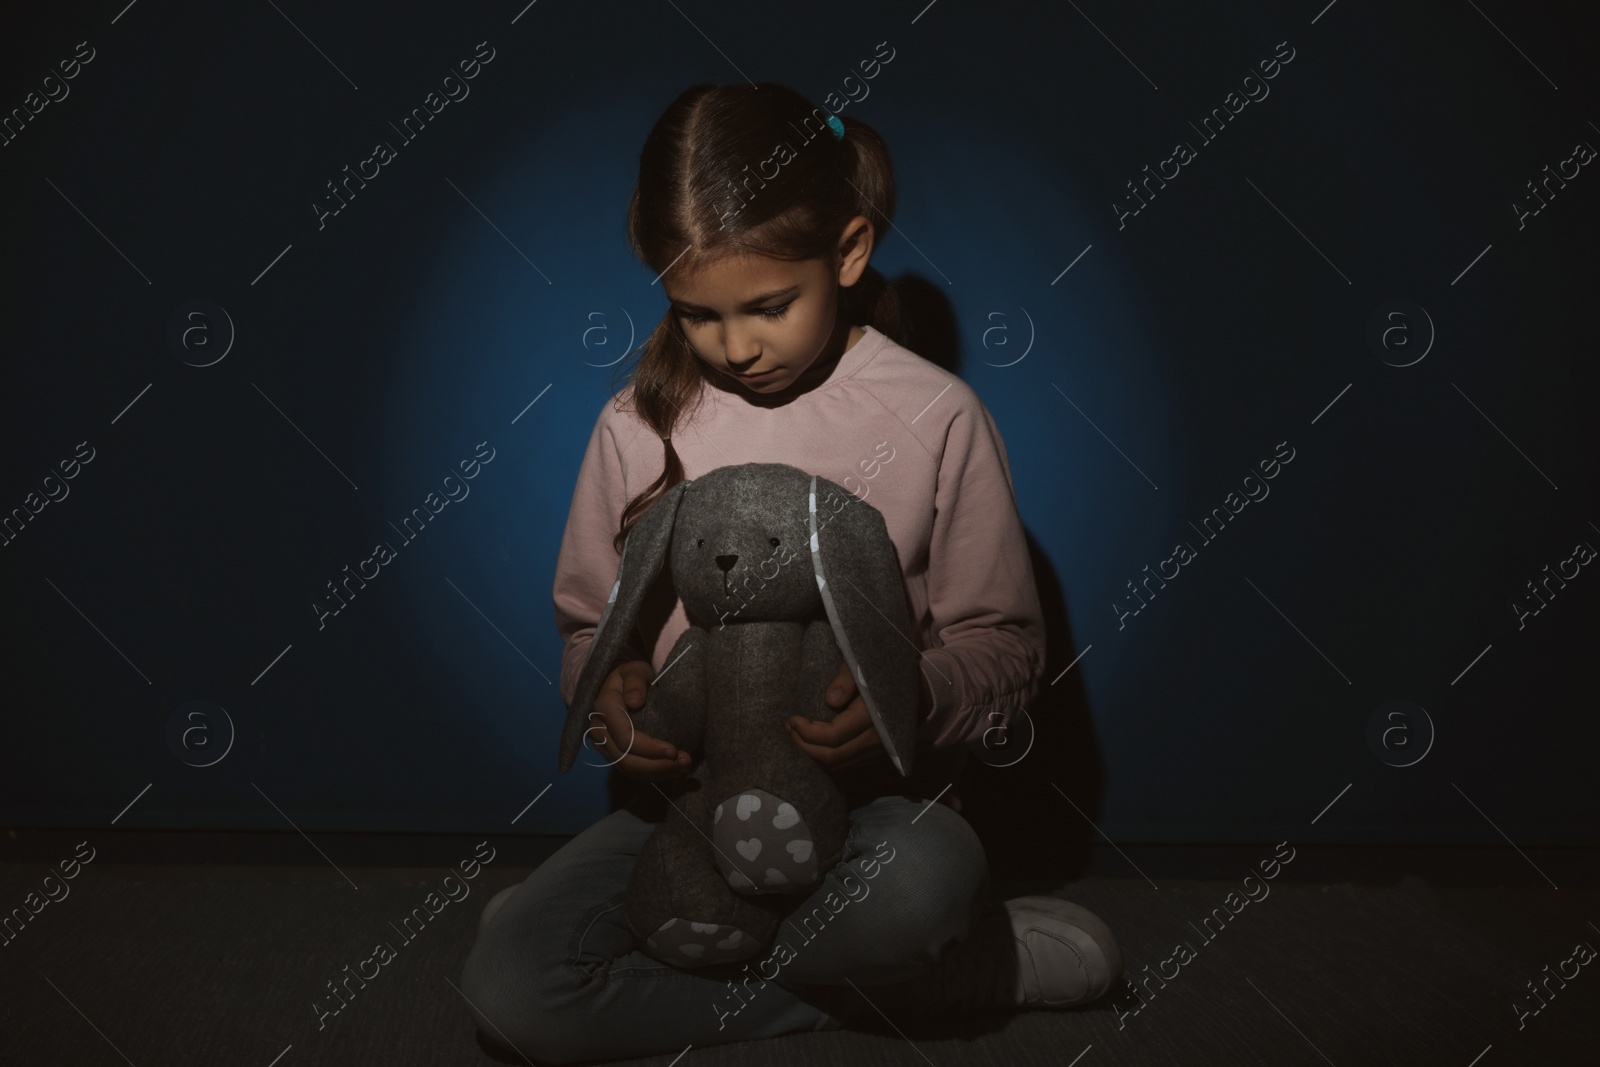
(632, 751)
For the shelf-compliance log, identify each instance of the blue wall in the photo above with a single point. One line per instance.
(486, 268)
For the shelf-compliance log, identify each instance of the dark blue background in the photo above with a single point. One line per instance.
(1190, 343)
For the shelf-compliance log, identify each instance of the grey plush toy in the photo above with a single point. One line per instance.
(783, 576)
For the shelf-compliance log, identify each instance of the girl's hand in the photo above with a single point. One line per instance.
(850, 739)
(633, 752)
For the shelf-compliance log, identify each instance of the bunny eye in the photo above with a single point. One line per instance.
(701, 543)
(774, 542)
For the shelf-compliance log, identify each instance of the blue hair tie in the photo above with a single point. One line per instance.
(837, 126)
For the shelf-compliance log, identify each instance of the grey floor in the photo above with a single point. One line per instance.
(218, 965)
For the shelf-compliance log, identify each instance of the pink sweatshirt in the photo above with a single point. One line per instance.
(903, 434)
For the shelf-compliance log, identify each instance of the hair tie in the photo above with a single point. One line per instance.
(836, 124)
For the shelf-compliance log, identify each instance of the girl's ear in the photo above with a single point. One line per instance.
(855, 249)
(642, 555)
(864, 594)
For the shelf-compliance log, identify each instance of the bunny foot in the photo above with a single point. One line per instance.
(762, 844)
(692, 944)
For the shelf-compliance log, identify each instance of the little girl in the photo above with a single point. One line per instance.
(758, 213)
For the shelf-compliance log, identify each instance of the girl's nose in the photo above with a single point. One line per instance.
(741, 349)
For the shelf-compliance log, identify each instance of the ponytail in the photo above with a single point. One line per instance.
(666, 377)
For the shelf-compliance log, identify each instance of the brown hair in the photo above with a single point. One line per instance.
(703, 194)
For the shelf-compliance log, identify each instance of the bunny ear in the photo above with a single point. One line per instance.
(864, 594)
(642, 555)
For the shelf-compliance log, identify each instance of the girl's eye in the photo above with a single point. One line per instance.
(774, 542)
(772, 313)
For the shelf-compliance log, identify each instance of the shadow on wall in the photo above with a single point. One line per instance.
(1028, 827)
(930, 322)
(1018, 804)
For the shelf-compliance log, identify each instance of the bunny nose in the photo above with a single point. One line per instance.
(727, 562)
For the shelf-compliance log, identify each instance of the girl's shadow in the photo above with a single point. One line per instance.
(1023, 805)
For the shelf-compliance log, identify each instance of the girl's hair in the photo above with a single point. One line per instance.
(706, 192)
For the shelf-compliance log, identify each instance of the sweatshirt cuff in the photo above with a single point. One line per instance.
(940, 673)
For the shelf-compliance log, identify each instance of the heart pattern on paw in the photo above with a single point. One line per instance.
(779, 838)
(697, 944)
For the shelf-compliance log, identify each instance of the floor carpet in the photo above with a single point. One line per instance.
(177, 965)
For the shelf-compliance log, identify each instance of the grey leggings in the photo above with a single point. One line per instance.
(556, 976)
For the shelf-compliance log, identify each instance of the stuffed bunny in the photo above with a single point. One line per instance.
(783, 576)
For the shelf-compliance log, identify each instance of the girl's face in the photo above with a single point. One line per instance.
(771, 325)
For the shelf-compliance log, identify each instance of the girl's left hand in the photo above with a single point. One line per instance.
(850, 739)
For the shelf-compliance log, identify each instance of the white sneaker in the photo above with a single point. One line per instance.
(1066, 955)
(1032, 952)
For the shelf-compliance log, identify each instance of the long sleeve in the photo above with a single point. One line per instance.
(987, 658)
(586, 566)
